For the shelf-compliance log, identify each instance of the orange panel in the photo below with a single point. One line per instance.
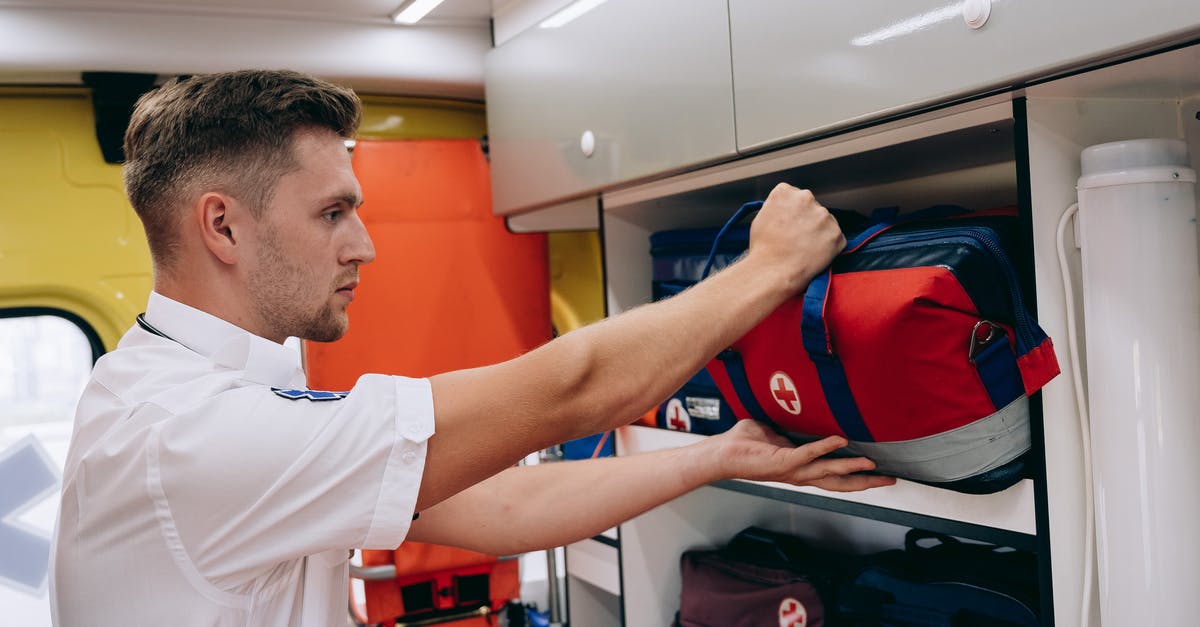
(450, 288)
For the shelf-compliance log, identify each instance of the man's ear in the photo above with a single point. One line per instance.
(221, 223)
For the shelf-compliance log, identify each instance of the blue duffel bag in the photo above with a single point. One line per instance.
(697, 407)
(679, 257)
(939, 581)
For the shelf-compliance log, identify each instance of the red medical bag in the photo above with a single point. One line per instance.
(916, 345)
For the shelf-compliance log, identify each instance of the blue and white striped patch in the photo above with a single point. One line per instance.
(312, 395)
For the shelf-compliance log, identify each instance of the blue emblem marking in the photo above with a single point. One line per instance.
(312, 395)
(27, 477)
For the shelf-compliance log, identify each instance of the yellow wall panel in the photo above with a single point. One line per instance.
(67, 234)
(69, 239)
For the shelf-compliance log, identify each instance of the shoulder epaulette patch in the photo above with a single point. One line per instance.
(312, 395)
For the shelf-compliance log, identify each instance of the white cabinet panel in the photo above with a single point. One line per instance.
(802, 66)
(595, 563)
(648, 82)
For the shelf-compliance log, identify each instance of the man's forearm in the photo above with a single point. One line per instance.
(639, 358)
(528, 508)
(532, 507)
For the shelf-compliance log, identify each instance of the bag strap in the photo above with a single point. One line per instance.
(758, 542)
(742, 211)
(735, 369)
(913, 538)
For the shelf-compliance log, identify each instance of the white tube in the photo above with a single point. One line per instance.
(1085, 429)
(1141, 288)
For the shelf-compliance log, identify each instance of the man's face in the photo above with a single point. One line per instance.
(310, 242)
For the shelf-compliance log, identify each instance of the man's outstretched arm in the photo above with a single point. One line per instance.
(529, 508)
(606, 374)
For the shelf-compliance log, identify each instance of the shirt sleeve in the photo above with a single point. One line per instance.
(255, 476)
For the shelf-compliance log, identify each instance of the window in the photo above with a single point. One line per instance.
(44, 364)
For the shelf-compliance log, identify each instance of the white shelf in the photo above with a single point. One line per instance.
(596, 563)
(1008, 510)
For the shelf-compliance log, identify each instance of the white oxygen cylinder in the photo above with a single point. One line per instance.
(1141, 293)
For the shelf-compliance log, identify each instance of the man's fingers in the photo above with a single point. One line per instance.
(822, 447)
(838, 475)
(836, 466)
(853, 483)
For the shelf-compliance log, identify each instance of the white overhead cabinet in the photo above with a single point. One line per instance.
(627, 90)
(805, 67)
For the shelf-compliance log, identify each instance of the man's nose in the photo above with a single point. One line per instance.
(361, 249)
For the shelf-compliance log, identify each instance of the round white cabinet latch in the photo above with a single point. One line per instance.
(587, 143)
(976, 12)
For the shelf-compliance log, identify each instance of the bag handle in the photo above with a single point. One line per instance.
(912, 540)
(742, 211)
(948, 544)
(758, 541)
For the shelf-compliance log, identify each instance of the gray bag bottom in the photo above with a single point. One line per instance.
(960, 454)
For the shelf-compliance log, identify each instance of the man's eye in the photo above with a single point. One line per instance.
(333, 216)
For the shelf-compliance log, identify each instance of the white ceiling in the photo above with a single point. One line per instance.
(349, 41)
(450, 12)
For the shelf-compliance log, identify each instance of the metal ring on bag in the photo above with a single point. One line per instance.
(994, 330)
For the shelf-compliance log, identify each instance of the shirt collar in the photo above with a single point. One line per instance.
(226, 344)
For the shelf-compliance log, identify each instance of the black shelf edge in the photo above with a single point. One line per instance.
(602, 539)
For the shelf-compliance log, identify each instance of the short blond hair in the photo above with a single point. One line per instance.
(231, 131)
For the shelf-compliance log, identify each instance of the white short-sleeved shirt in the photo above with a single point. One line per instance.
(203, 486)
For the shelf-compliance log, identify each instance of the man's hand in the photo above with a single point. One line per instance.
(564, 503)
(751, 450)
(794, 236)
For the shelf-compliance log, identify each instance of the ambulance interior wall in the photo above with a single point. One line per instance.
(974, 167)
(1062, 122)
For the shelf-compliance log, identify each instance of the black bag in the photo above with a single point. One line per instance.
(938, 581)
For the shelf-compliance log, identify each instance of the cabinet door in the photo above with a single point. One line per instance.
(650, 81)
(805, 66)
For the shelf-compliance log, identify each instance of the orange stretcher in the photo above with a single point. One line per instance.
(426, 584)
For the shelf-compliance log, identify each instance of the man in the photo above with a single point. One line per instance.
(206, 486)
